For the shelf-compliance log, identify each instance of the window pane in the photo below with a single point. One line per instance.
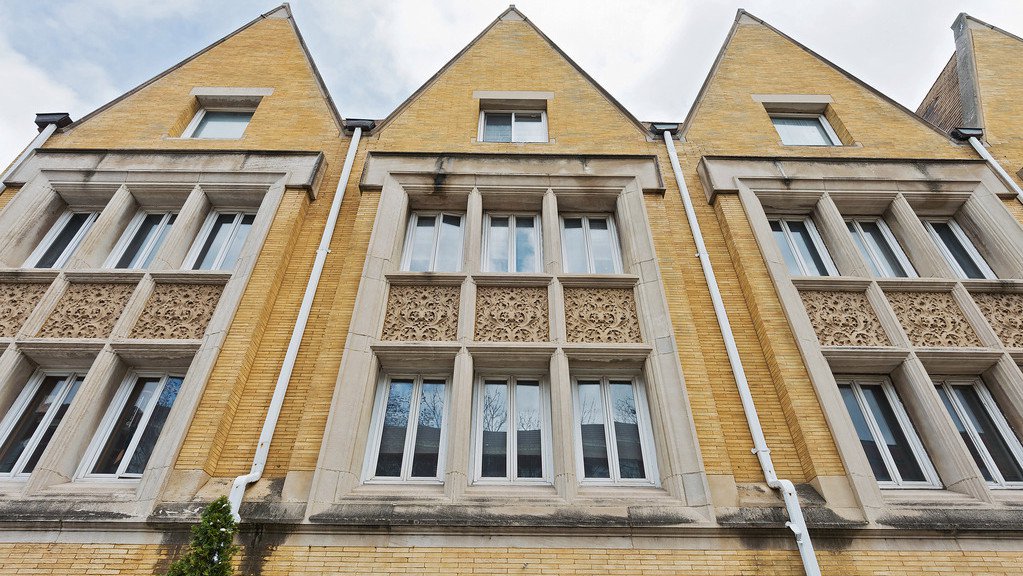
(866, 437)
(63, 241)
(126, 425)
(159, 242)
(864, 252)
(626, 422)
(28, 425)
(891, 267)
(591, 432)
(525, 245)
(222, 124)
(495, 430)
(431, 413)
(958, 251)
(497, 127)
(392, 439)
(807, 249)
(529, 127)
(961, 428)
(214, 242)
(602, 246)
(147, 230)
(234, 247)
(801, 131)
(422, 244)
(449, 247)
(781, 239)
(990, 436)
(144, 448)
(497, 245)
(575, 246)
(529, 438)
(892, 435)
(61, 410)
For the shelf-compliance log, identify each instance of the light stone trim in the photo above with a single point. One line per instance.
(177, 311)
(843, 319)
(421, 313)
(1004, 312)
(87, 311)
(17, 301)
(601, 315)
(512, 314)
(933, 319)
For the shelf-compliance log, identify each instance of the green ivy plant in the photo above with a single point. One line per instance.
(209, 552)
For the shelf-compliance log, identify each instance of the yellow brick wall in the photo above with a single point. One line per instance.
(1000, 81)
(7, 194)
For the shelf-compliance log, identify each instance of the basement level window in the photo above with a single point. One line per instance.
(805, 130)
(513, 126)
(222, 124)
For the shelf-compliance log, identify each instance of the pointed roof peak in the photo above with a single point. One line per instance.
(964, 21)
(511, 14)
(282, 11)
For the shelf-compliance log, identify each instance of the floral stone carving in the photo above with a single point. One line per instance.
(1003, 313)
(933, 319)
(421, 313)
(87, 311)
(843, 319)
(601, 315)
(511, 314)
(16, 302)
(178, 311)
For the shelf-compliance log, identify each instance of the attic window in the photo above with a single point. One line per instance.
(513, 116)
(224, 113)
(804, 119)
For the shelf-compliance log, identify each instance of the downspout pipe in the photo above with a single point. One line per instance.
(972, 135)
(284, 378)
(48, 124)
(796, 521)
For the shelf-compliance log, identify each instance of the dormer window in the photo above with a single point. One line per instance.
(518, 126)
(223, 112)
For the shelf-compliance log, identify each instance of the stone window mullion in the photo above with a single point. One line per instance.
(833, 231)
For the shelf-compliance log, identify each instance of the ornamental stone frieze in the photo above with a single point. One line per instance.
(87, 310)
(1005, 314)
(843, 318)
(601, 315)
(16, 302)
(421, 313)
(933, 319)
(512, 314)
(178, 311)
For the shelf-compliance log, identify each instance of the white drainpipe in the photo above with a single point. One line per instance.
(277, 401)
(36, 142)
(996, 167)
(788, 491)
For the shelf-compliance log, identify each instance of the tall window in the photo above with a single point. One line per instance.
(62, 240)
(880, 249)
(511, 431)
(220, 241)
(512, 243)
(433, 243)
(994, 447)
(590, 245)
(128, 433)
(224, 124)
(410, 419)
(805, 130)
(513, 126)
(141, 240)
(895, 453)
(613, 431)
(802, 248)
(957, 249)
(28, 426)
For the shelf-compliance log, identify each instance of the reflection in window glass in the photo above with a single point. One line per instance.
(33, 419)
(144, 240)
(510, 405)
(801, 248)
(879, 248)
(512, 243)
(434, 243)
(62, 240)
(514, 127)
(987, 435)
(611, 430)
(958, 250)
(804, 131)
(228, 124)
(590, 245)
(223, 242)
(411, 429)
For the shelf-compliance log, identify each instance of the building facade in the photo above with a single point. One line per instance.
(512, 329)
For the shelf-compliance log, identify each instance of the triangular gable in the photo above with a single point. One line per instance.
(990, 77)
(744, 18)
(510, 15)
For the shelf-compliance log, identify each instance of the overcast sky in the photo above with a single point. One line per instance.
(75, 55)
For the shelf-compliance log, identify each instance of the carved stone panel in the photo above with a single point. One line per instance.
(16, 302)
(178, 311)
(87, 311)
(421, 313)
(511, 314)
(843, 319)
(1005, 314)
(601, 315)
(933, 319)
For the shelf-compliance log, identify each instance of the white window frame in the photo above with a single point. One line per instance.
(645, 433)
(590, 265)
(109, 420)
(915, 445)
(832, 135)
(17, 410)
(543, 121)
(967, 244)
(377, 428)
(818, 243)
(204, 232)
(145, 251)
(545, 432)
(55, 231)
(513, 217)
(406, 256)
(893, 244)
(189, 131)
(995, 413)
